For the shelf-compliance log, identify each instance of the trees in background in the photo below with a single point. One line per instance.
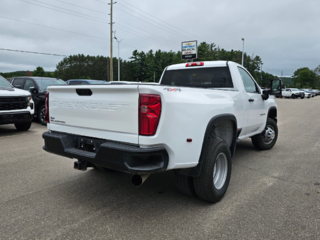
(305, 78)
(89, 67)
(39, 72)
(317, 73)
(14, 74)
(148, 66)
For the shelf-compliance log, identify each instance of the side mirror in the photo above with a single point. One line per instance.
(276, 87)
(33, 90)
(265, 94)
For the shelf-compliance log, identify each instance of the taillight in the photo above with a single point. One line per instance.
(193, 64)
(149, 113)
(47, 108)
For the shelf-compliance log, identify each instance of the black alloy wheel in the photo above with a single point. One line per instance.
(42, 115)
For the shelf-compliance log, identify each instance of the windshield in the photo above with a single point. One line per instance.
(216, 77)
(294, 89)
(44, 83)
(4, 83)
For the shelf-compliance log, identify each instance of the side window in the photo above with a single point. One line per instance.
(28, 84)
(84, 83)
(18, 83)
(74, 83)
(248, 83)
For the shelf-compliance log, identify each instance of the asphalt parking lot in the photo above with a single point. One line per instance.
(272, 194)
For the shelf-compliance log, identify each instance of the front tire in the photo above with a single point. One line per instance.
(23, 126)
(268, 138)
(215, 174)
(42, 115)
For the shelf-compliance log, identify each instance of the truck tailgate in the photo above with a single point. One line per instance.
(101, 111)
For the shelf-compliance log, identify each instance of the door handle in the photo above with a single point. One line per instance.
(251, 100)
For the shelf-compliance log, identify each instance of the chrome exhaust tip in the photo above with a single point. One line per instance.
(138, 180)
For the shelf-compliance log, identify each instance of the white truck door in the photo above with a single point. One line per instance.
(254, 105)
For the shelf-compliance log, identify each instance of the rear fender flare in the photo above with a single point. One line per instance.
(230, 136)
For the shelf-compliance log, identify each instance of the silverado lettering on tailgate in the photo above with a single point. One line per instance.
(90, 105)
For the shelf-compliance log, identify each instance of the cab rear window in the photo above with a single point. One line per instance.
(215, 77)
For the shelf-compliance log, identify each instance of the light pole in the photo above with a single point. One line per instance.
(111, 33)
(242, 50)
(118, 57)
(261, 73)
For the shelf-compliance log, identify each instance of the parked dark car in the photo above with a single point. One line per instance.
(86, 82)
(308, 91)
(38, 88)
(315, 91)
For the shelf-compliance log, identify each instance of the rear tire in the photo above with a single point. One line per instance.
(268, 138)
(23, 126)
(184, 184)
(41, 115)
(215, 174)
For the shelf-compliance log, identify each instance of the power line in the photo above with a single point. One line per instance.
(101, 2)
(81, 14)
(98, 19)
(152, 39)
(91, 16)
(167, 24)
(39, 25)
(66, 12)
(12, 50)
(150, 23)
(102, 19)
(79, 6)
(36, 24)
(118, 19)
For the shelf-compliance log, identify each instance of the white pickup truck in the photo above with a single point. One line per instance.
(16, 106)
(293, 93)
(190, 123)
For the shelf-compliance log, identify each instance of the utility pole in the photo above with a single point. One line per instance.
(261, 73)
(111, 32)
(118, 55)
(242, 51)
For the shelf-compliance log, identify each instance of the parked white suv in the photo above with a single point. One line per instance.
(293, 93)
(16, 106)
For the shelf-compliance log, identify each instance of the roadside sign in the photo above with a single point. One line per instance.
(189, 50)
